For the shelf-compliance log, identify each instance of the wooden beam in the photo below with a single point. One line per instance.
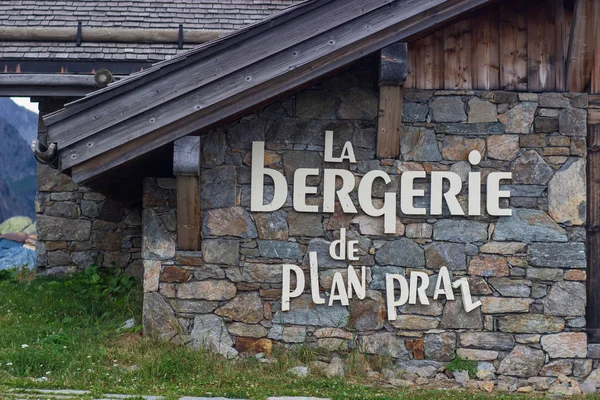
(593, 233)
(53, 85)
(80, 67)
(186, 156)
(186, 168)
(123, 35)
(389, 124)
(581, 46)
(393, 70)
(235, 94)
(393, 65)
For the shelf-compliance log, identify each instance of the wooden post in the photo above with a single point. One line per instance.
(593, 234)
(186, 167)
(393, 70)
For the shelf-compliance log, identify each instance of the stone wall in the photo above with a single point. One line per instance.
(528, 269)
(77, 227)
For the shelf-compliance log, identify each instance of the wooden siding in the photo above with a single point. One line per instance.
(512, 45)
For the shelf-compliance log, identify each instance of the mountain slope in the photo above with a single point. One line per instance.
(12, 204)
(21, 118)
(17, 173)
(16, 160)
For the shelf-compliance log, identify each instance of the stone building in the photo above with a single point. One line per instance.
(49, 51)
(513, 82)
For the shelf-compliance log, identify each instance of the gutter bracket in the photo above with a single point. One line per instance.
(46, 155)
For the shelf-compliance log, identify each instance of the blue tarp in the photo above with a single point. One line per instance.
(13, 255)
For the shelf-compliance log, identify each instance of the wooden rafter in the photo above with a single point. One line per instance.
(99, 134)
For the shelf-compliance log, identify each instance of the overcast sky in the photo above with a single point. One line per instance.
(24, 101)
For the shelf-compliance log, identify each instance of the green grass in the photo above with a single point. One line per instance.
(69, 327)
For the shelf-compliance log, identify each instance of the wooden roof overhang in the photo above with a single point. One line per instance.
(218, 81)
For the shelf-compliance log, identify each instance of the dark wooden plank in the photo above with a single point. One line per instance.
(566, 40)
(429, 54)
(389, 123)
(185, 80)
(513, 45)
(594, 101)
(233, 105)
(371, 28)
(411, 66)
(457, 55)
(393, 67)
(541, 47)
(561, 26)
(595, 80)
(188, 213)
(581, 46)
(486, 49)
(593, 116)
(593, 233)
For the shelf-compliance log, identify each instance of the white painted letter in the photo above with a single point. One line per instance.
(347, 151)
(392, 303)
(468, 304)
(352, 250)
(360, 286)
(437, 188)
(314, 278)
(415, 288)
(301, 190)
(258, 180)
(443, 280)
(494, 194)
(474, 193)
(365, 200)
(343, 194)
(341, 244)
(338, 290)
(408, 193)
(286, 294)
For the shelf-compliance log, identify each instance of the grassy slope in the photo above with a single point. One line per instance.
(70, 329)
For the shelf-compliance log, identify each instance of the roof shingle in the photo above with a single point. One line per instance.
(193, 14)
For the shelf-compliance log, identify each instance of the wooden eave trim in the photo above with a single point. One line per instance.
(166, 67)
(259, 93)
(108, 35)
(197, 76)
